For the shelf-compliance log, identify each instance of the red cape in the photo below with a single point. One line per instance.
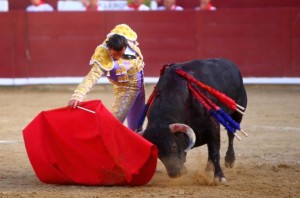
(78, 147)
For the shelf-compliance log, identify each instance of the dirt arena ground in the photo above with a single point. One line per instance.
(267, 165)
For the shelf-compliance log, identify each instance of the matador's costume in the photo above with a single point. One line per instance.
(126, 74)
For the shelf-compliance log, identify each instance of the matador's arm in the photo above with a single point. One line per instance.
(87, 83)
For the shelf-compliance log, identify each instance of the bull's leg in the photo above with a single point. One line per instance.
(213, 146)
(214, 157)
(230, 155)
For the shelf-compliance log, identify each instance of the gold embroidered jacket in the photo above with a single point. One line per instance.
(103, 64)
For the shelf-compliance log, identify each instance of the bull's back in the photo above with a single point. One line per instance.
(214, 72)
(221, 74)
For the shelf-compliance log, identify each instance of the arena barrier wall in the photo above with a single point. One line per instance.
(264, 43)
(190, 4)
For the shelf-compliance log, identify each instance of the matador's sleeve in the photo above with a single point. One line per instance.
(87, 83)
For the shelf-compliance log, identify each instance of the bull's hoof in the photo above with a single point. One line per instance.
(229, 164)
(229, 161)
(220, 180)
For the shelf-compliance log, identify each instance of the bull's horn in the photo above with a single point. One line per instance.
(186, 129)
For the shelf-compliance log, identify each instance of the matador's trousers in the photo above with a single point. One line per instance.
(129, 100)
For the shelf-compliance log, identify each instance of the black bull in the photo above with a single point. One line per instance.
(174, 103)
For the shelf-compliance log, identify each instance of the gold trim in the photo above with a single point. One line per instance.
(125, 31)
(103, 58)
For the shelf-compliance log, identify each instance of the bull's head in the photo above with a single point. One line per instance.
(172, 142)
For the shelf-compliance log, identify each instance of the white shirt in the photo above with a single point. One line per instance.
(174, 7)
(40, 8)
(142, 7)
(129, 51)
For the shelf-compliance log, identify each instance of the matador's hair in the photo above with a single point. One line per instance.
(116, 42)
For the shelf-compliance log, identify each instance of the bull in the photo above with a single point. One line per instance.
(177, 121)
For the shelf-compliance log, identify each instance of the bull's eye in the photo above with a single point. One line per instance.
(174, 147)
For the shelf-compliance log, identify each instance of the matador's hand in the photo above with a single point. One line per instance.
(73, 103)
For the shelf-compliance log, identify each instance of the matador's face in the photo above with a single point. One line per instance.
(35, 2)
(116, 55)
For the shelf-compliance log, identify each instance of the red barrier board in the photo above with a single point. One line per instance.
(262, 42)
